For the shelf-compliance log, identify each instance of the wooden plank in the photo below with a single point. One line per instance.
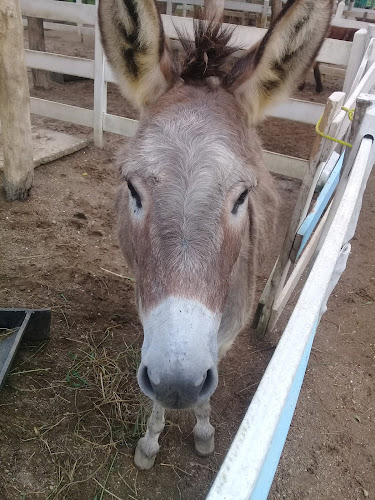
(86, 30)
(331, 70)
(357, 54)
(41, 78)
(289, 166)
(64, 112)
(367, 60)
(327, 146)
(307, 227)
(349, 23)
(335, 52)
(109, 75)
(100, 88)
(244, 36)
(282, 299)
(297, 110)
(246, 7)
(119, 125)
(79, 26)
(326, 170)
(58, 63)
(59, 11)
(229, 5)
(339, 14)
(265, 11)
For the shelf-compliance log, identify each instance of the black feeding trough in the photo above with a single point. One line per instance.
(30, 325)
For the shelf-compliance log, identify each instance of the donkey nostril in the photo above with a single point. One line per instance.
(209, 384)
(145, 382)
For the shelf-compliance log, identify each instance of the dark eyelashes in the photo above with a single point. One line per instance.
(240, 201)
(135, 195)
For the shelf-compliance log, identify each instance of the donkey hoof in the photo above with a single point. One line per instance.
(142, 461)
(206, 447)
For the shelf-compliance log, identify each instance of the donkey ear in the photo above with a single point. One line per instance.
(272, 69)
(135, 45)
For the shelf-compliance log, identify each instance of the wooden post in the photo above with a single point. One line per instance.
(356, 56)
(79, 26)
(264, 16)
(100, 87)
(14, 104)
(41, 78)
(276, 8)
(340, 10)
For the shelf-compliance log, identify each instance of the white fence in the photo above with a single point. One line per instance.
(348, 18)
(230, 7)
(335, 52)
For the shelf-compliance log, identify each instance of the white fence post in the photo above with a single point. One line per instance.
(263, 22)
(340, 10)
(355, 58)
(79, 26)
(100, 87)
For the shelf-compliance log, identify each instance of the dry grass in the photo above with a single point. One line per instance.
(110, 408)
(6, 332)
(88, 444)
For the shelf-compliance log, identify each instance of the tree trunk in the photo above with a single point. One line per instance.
(276, 8)
(14, 104)
(41, 78)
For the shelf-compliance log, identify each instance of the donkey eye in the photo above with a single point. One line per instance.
(135, 195)
(240, 201)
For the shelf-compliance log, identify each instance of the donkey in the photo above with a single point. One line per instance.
(196, 201)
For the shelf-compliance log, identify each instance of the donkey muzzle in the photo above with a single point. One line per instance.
(179, 353)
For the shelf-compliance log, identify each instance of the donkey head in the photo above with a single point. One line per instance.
(193, 204)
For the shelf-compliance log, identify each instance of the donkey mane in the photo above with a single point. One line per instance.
(208, 55)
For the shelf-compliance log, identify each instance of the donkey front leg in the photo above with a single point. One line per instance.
(203, 430)
(148, 446)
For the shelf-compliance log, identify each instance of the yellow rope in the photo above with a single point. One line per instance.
(339, 141)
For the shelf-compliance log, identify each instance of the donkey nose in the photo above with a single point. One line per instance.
(177, 390)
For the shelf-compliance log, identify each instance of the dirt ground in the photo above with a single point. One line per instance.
(71, 411)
